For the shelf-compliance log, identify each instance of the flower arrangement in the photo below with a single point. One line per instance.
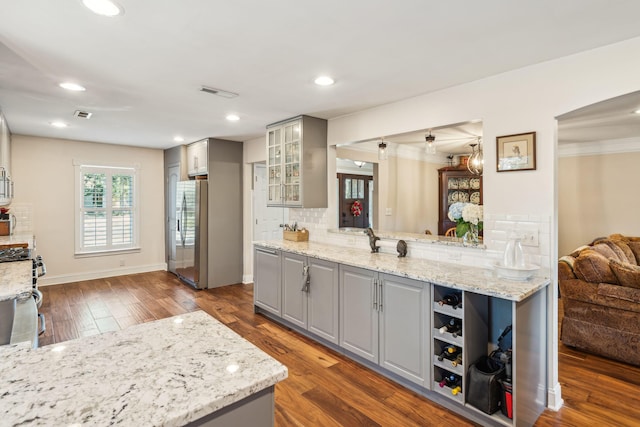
(356, 208)
(468, 217)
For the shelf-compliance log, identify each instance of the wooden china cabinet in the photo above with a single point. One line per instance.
(456, 184)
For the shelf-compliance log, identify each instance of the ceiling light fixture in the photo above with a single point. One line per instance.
(103, 7)
(72, 87)
(359, 163)
(637, 111)
(59, 124)
(232, 117)
(324, 81)
(475, 164)
(383, 153)
(178, 139)
(431, 146)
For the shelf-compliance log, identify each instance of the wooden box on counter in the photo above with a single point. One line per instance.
(296, 236)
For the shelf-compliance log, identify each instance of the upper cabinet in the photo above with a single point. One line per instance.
(456, 184)
(198, 158)
(297, 163)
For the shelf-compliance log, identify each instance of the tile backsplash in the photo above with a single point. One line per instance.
(497, 229)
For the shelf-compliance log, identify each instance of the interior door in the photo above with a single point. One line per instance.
(174, 177)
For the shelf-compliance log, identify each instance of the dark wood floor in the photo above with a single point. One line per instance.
(323, 388)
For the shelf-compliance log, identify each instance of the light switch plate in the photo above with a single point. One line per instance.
(388, 212)
(528, 234)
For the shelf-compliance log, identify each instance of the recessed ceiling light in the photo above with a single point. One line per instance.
(59, 124)
(637, 111)
(232, 117)
(178, 139)
(323, 81)
(104, 7)
(72, 86)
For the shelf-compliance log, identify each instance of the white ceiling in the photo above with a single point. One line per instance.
(143, 70)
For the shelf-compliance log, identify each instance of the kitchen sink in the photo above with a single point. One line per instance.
(7, 313)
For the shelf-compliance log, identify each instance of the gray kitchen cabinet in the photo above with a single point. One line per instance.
(310, 295)
(359, 312)
(198, 158)
(297, 163)
(267, 280)
(384, 319)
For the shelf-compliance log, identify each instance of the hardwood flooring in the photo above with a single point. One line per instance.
(324, 388)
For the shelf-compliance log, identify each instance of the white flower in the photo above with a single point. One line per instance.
(472, 213)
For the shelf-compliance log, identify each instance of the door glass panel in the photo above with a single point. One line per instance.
(347, 188)
(354, 188)
(361, 189)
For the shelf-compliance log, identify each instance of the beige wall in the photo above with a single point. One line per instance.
(43, 172)
(597, 196)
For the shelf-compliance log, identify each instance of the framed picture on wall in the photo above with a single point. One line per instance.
(516, 152)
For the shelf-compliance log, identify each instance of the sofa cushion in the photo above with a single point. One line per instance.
(616, 248)
(635, 248)
(626, 273)
(628, 253)
(592, 266)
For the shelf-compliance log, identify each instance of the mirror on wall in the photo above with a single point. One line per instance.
(402, 192)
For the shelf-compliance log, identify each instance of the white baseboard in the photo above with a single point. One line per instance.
(554, 398)
(247, 278)
(77, 277)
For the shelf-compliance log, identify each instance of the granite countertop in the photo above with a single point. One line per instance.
(15, 278)
(473, 279)
(163, 373)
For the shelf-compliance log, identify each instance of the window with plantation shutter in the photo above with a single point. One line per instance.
(107, 211)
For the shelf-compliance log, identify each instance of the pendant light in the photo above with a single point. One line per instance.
(475, 163)
(430, 146)
(383, 154)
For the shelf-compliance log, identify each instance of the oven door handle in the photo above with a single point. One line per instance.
(43, 325)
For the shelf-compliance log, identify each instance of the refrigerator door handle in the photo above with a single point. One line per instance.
(183, 236)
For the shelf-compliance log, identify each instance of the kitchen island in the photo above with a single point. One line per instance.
(184, 370)
(390, 314)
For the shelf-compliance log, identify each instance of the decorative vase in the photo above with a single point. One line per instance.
(471, 236)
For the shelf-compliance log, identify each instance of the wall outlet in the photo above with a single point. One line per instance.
(529, 238)
(121, 263)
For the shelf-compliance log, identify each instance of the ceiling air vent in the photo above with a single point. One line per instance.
(82, 114)
(219, 92)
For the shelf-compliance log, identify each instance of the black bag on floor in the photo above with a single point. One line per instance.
(483, 386)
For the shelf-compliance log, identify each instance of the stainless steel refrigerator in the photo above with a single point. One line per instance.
(191, 233)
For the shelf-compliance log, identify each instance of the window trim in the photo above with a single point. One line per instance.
(80, 167)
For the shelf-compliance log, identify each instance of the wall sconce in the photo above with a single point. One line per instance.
(383, 154)
(431, 145)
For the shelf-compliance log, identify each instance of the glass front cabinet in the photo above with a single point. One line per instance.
(297, 163)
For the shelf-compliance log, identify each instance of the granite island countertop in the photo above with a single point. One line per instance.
(467, 278)
(163, 373)
(16, 278)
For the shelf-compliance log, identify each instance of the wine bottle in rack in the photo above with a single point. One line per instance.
(457, 389)
(457, 361)
(450, 352)
(454, 327)
(449, 381)
(454, 299)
